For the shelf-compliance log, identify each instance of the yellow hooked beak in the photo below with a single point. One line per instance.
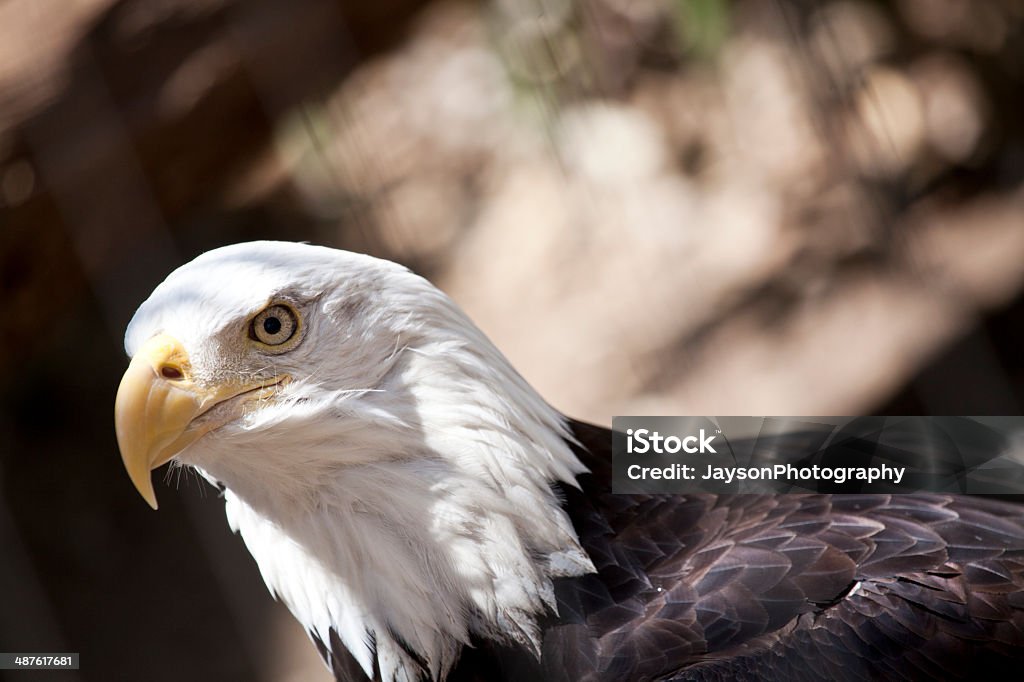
(158, 403)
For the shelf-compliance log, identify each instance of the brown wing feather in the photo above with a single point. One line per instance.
(786, 587)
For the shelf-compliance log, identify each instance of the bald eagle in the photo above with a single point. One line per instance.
(426, 515)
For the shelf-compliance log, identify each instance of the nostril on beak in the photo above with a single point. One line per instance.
(171, 372)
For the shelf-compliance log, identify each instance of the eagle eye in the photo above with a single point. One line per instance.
(274, 325)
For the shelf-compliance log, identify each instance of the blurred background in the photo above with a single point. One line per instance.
(652, 207)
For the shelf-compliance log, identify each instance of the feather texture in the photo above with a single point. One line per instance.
(789, 587)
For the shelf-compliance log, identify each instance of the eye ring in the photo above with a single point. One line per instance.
(275, 325)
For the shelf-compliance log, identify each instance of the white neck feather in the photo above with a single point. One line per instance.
(409, 517)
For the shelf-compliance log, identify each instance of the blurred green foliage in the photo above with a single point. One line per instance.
(702, 25)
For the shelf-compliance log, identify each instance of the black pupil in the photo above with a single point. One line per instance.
(271, 325)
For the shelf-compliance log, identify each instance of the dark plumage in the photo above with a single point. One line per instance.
(789, 587)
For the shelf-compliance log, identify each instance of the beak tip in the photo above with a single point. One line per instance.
(144, 486)
(147, 492)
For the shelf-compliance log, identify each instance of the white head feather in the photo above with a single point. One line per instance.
(398, 489)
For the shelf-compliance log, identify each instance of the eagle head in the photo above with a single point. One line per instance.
(387, 468)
